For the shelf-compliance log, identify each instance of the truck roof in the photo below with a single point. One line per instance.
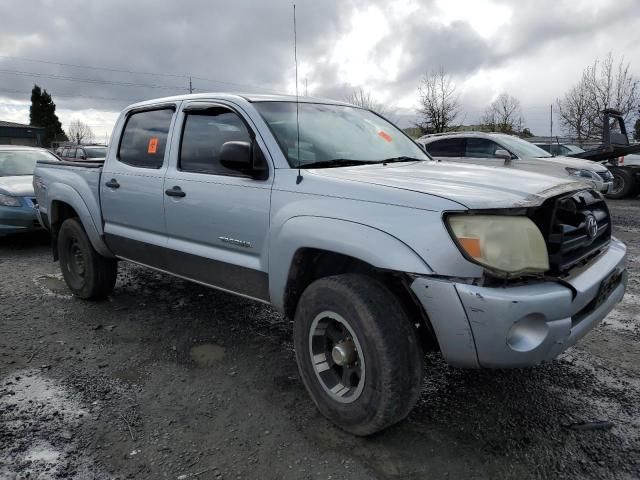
(250, 97)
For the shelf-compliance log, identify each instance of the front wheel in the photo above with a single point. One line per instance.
(88, 274)
(357, 352)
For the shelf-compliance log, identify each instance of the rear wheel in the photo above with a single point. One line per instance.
(88, 274)
(623, 184)
(357, 352)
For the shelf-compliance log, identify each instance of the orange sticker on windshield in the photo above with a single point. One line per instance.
(385, 136)
(153, 145)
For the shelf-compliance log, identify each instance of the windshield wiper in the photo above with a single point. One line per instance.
(399, 159)
(336, 162)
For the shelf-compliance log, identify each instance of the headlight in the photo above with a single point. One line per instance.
(9, 201)
(504, 244)
(581, 172)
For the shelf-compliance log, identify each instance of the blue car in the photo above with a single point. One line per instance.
(18, 207)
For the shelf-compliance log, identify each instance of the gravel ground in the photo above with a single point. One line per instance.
(168, 379)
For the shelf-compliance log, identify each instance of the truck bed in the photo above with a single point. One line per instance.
(74, 183)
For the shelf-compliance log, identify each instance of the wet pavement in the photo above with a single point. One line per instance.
(167, 379)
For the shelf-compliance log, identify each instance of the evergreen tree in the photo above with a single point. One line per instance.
(42, 113)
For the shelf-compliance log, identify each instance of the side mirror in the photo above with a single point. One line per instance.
(242, 157)
(503, 154)
(83, 157)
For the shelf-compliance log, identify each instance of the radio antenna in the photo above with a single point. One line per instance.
(295, 59)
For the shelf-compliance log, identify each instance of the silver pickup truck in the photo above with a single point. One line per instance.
(344, 224)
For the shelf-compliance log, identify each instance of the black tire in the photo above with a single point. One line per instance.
(88, 274)
(623, 184)
(391, 354)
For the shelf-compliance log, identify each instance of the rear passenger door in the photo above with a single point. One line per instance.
(132, 192)
(217, 219)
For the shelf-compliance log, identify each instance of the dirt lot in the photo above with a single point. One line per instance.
(168, 379)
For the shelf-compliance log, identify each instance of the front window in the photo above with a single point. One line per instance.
(17, 162)
(95, 152)
(481, 148)
(204, 134)
(335, 135)
(522, 148)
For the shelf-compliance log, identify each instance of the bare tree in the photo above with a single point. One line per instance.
(79, 132)
(503, 115)
(439, 103)
(577, 111)
(365, 100)
(604, 84)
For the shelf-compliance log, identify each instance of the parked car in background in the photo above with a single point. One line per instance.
(18, 206)
(508, 151)
(346, 226)
(82, 152)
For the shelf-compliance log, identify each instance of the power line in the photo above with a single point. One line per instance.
(89, 80)
(134, 72)
(93, 67)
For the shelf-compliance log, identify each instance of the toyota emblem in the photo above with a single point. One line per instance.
(592, 226)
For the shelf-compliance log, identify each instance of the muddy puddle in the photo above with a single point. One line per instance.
(53, 285)
(207, 354)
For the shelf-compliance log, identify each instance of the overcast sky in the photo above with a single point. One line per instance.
(534, 50)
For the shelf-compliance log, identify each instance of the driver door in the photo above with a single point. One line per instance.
(217, 219)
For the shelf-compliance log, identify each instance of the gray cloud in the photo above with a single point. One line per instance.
(247, 45)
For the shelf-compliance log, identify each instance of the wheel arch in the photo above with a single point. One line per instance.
(67, 203)
(310, 248)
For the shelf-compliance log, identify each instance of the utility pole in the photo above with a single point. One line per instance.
(306, 87)
(551, 125)
(190, 86)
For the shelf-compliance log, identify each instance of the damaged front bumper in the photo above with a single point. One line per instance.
(519, 326)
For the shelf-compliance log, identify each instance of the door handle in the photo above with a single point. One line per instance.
(113, 183)
(175, 192)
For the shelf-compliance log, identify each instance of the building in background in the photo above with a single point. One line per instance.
(19, 134)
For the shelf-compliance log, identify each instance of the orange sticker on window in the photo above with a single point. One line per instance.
(385, 136)
(153, 145)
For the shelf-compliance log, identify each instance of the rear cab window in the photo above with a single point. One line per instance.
(144, 138)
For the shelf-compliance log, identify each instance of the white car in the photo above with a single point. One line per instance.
(508, 151)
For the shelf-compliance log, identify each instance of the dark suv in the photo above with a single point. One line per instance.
(82, 152)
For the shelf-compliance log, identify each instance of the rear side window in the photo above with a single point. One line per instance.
(79, 153)
(203, 135)
(447, 147)
(144, 139)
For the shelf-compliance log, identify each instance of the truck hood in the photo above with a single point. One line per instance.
(472, 186)
(574, 163)
(18, 186)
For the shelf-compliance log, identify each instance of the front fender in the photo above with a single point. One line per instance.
(363, 242)
(59, 192)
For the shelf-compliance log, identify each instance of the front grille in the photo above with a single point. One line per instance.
(567, 224)
(606, 176)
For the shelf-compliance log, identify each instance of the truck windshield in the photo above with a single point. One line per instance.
(16, 162)
(336, 135)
